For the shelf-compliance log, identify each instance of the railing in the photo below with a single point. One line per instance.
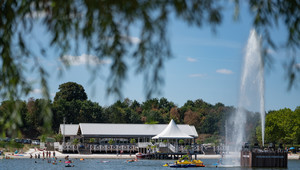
(112, 148)
(161, 144)
(144, 144)
(68, 147)
(131, 148)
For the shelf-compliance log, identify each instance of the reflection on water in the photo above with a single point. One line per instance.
(25, 164)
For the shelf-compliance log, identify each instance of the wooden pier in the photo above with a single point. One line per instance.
(264, 159)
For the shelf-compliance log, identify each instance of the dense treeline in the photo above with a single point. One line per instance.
(72, 103)
(282, 126)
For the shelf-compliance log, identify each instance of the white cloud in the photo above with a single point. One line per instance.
(196, 75)
(133, 40)
(36, 91)
(224, 71)
(84, 59)
(192, 60)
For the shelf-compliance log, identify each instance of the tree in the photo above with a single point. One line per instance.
(283, 126)
(11, 115)
(90, 112)
(58, 137)
(104, 28)
(116, 113)
(36, 122)
(192, 118)
(70, 91)
(174, 114)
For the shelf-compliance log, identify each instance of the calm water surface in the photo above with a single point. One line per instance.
(24, 164)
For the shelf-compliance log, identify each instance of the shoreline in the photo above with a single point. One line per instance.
(59, 155)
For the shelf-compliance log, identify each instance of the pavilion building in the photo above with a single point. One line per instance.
(108, 137)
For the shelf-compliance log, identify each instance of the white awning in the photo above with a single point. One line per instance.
(172, 132)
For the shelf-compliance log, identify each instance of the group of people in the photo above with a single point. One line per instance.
(46, 154)
(53, 160)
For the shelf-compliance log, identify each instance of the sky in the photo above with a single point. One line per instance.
(205, 65)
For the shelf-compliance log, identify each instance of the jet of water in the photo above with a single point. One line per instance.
(251, 94)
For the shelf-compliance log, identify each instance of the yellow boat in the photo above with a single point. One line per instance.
(166, 164)
(187, 163)
(198, 163)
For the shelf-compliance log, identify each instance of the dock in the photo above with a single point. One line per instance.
(274, 159)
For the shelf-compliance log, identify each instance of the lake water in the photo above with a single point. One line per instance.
(24, 164)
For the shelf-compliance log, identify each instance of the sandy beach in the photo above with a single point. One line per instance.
(60, 155)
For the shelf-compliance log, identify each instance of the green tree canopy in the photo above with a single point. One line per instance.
(104, 28)
(283, 126)
(70, 91)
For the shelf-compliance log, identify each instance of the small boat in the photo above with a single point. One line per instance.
(166, 164)
(68, 162)
(81, 159)
(69, 165)
(198, 163)
(140, 155)
(187, 164)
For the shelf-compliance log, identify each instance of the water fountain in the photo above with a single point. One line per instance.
(251, 97)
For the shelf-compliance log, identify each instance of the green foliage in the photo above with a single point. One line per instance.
(92, 140)
(212, 139)
(181, 141)
(58, 137)
(282, 126)
(43, 138)
(11, 145)
(105, 29)
(187, 147)
(75, 141)
(111, 141)
(185, 157)
(11, 117)
(132, 141)
(70, 91)
(153, 147)
(198, 141)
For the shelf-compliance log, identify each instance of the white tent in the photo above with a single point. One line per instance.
(172, 132)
